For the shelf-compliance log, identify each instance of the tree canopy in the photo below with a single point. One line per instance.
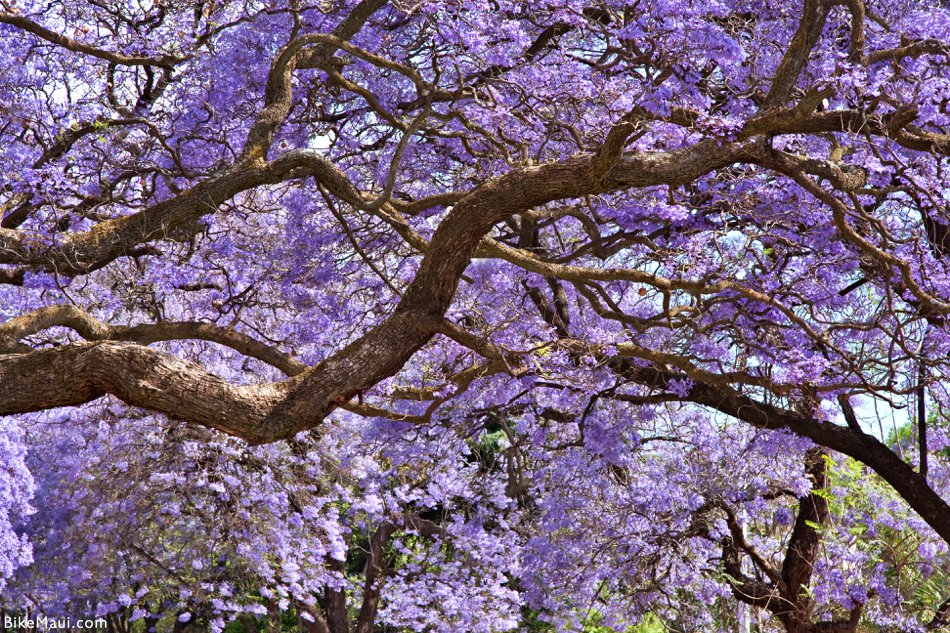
(476, 315)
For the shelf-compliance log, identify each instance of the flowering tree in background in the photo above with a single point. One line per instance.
(470, 315)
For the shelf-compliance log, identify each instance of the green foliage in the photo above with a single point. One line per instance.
(854, 492)
(531, 623)
(650, 624)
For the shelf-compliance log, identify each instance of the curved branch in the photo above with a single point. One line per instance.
(74, 374)
(908, 483)
(81, 253)
(814, 14)
(278, 93)
(93, 329)
(912, 50)
(796, 168)
(31, 26)
(142, 377)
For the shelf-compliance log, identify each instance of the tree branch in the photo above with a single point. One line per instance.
(93, 329)
(31, 26)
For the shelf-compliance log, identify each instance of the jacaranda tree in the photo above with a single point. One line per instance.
(476, 315)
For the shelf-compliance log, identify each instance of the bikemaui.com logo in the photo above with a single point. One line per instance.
(44, 623)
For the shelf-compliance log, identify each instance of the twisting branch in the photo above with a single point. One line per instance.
(93, 329)
(86, 371)
(278, 93)
(31, 26)
(810, 25)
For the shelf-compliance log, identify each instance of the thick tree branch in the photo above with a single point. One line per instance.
(868, 450)
(80, 253)
(373, 578)
(303, 401)
(814, 14)
(73, 374)
(805, 541)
